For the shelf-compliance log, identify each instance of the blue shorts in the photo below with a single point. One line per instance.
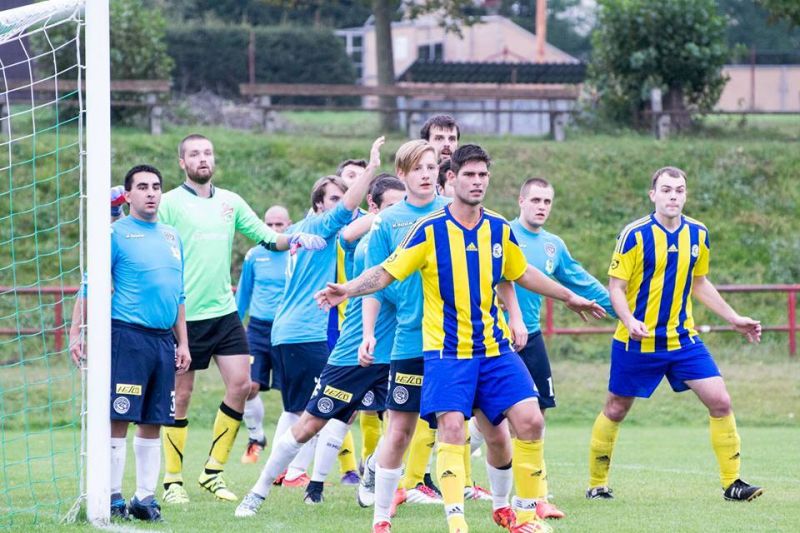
(534, 355)
(491, 384)
(638, 374)
(264, 361)
(142, 374)
(301, 365)
(344, 389)
(405, 385)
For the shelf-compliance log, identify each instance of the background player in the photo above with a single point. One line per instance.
(659, 263)
(441, 132)
(258, 295)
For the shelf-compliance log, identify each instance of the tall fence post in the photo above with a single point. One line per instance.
(792, 302)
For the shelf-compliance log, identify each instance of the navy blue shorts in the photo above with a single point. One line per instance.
(534, 355)
(405, 385)
(344, 389)
(491, 384)
(222, 335)
(300, 367)
(142, 374)
(638, 374)
(264, 361)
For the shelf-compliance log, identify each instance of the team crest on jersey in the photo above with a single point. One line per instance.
(400, 395)
(695, 250)
(168, 236)
(614, 264)
(122, 405)
(226, 212)
(368, 399)
(325, 405)
(497, 250)
(550, 249)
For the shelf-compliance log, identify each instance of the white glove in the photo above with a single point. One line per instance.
(307, 241)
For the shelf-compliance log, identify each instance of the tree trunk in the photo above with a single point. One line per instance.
(382, 11)
(680, 120)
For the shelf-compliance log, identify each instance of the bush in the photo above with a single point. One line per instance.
(215, 58)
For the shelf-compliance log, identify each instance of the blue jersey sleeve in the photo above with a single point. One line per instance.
(244, 292)
(330, 222)
(572, 275)
(379, 248)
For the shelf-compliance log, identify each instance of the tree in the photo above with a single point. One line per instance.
(788, 10)
(676, 45)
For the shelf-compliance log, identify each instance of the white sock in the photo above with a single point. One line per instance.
(475, 436)
(386, 480)
(500, 483)
(148, 465)
(303, 459)
(254, 418)
(119, 450)
(328, 446)
(285, 421)
(283, 451)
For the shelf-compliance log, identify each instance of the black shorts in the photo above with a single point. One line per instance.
(342, 390)
(264, 361)
(534, 355)
(142, 374)
(301, 365)
(405, 385)
(222, 335)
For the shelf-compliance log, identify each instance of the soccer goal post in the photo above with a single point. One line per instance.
(55, 162)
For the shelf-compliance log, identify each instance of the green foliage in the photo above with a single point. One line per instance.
(788, 10)
(138, 50)
(676, 45)
(750, 25)
(215, 57)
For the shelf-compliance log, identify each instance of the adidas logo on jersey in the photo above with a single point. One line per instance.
(672, 248)
(471, 247)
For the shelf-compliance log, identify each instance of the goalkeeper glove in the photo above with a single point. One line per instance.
(307, 241)
(117, 200)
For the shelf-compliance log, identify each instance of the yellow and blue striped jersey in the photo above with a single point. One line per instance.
(660, 267)
(460, 268)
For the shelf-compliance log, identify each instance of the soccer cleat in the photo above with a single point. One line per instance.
(314, 493)
(300, 481)
(739, 491)
(545, 509)
(254, 449)
(118, 508)
(382, 527)
(476, 492)
(215, 484)
(249, 505)
(504, 517)
(350, 478)
(175, 494)
(422, 494)
(599, 493)
(428, 481)
(147, 510)
(365, 495)
(537, 526)
(398, 498)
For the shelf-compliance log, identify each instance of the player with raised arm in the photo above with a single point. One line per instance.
(462, 253)
(147, 320)
(348, 382)
(207, 217)
(258, 295)
(659, 263)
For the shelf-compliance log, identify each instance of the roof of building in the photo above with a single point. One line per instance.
(479, 72)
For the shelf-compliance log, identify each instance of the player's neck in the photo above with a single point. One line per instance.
(669, 223)
(532, 229)
(144, 218)
(419, 201)
(465, 214)
(203, 190)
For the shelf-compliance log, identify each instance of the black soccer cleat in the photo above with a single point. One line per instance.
(314, 493)
(599, 493)
(739, 491)
(119, 510)
(147, 509)
(428, 482)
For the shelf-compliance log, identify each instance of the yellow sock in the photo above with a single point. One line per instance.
(174, 442)
(543, 489)
(347, 454)
(419, 454)
(727, 445)
(226, 426)
(528, 468)
(467, 458)
(450, 472)
(370, 433)
(601, 448)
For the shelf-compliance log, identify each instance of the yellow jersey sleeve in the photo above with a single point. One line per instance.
(514, 262)
(410, 255)
(623, 261)
(701, 266)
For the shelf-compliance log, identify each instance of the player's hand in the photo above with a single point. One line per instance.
(748, 327)
(519, 333)
(307, 241)
(637, 329)
(375, 152)
(584, 307)
(117, 200)
(366, 351)
(331, 296)
(182, 359)
(77, 349)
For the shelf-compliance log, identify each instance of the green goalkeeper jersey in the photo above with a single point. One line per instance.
(206, 227)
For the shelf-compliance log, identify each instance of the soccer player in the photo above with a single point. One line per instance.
(351, 169)
(443, 133)
(443, 185)
(659, 263)
(206, 218)
(463, 252)
(347, 383)
(147, 320)
(299, 332)
(259, 293)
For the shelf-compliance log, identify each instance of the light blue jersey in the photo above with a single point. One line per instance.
(345, 353)
(299, 318)
(548, 253)
(147, 273)
(261, 284)
(388, 230)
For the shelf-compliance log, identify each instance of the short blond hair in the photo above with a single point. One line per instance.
(673, 172)
(410, 153)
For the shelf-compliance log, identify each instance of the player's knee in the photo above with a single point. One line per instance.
(182, 396)
(451, 429)
(305, 428)
(254, 389)
(617, 408)
(240, 387)
(530, 427)
(720, 405)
